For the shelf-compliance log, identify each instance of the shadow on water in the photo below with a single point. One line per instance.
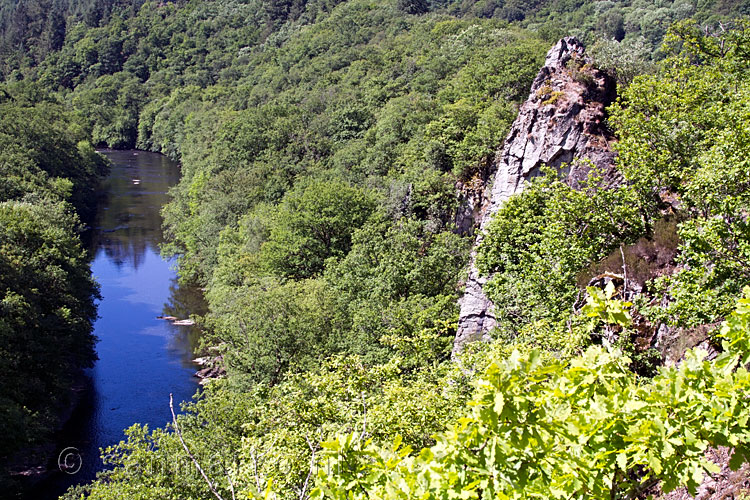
(141, 359)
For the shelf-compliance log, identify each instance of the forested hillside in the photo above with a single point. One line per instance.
(47, 294)
(323, 147)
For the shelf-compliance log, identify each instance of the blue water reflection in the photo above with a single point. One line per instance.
(142, 359)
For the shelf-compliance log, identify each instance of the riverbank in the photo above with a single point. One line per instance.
(142, 360)
(33, 466)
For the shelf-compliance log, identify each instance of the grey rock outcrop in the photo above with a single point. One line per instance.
(560, 124)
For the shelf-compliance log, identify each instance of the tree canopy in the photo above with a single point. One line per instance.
(324, 146)
(49, 175)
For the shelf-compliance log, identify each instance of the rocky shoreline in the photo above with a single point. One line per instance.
(213, 368)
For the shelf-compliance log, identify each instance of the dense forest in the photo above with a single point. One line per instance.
(323, 144)
(49, 172)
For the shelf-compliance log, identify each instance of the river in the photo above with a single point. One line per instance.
(142, 359)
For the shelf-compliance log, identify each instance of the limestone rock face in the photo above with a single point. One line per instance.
(560, 124)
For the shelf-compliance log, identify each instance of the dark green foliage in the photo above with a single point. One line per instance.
(321, 143)
(684, 137)
(46, 293)
(31, 30)
(313, 223)
(331, 114)
(43, 152)
(46, 288)
(413, 6)
(111, 106)
(393, 273)
(611, 25)
(266, 329)
(541, 239)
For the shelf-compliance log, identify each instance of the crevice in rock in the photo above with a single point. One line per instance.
(560, 123)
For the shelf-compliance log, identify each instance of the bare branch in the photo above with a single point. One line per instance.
(187, 450)
(255, 468)
(364, 417)
(303, 494)
(231, 484)
(624, 274)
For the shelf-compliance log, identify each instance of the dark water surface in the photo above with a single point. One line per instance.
(141, 359)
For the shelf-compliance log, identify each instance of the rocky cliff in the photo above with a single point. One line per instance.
(562, 125)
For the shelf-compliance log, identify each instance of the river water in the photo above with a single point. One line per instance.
(142, 359)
